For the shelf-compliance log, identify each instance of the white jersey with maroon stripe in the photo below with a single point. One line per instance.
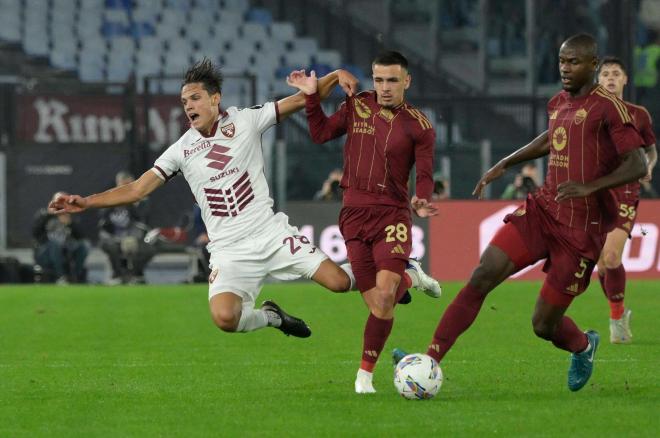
(225, 172)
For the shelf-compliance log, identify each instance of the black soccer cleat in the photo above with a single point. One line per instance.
(406, 298)
(291, 326)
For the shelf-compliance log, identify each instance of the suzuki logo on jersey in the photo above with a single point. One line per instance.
(228, 130)
(218, 157)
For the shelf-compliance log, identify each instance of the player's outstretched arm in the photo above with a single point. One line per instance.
(538, 147)
(632, 168)
(125, 194)
(324, 86)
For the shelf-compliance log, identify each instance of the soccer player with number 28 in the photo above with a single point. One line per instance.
(385, 137)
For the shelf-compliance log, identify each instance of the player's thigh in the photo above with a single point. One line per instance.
(293, 255)
(568, 273)
(362, 262)
(331, 276)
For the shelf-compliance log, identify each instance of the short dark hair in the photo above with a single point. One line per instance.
(207, 73)
(391, 57)
(612, 60)
(584, 42)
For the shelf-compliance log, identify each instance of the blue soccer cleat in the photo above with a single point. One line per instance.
(582, 364)
(397, 355)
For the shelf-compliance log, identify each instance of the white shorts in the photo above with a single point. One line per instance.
(279, 251)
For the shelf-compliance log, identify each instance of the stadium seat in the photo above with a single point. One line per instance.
(282, 31)
(10, 21)
(259, 15)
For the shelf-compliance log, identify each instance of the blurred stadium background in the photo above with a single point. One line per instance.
(90, 87)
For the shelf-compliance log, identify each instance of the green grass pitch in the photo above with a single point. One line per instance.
(147, 361)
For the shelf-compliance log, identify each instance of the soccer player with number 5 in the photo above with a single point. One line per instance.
(385, 137)
(592, 145)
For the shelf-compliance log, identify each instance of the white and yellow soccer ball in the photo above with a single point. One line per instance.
(417, 377)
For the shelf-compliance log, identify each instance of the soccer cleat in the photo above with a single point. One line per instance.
(397, 355)
(364, 383)
(426, 283)
(582, 364)
(620, 329)
(290, 326)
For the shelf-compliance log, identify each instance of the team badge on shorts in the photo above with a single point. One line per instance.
(228, 130)
(212, 276)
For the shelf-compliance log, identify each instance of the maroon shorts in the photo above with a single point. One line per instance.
(571, 253)
(627, 214)
(377, 238)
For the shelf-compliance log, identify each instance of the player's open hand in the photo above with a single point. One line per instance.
(422, 207)
(347, 82)
(493, 173)
(67, 204)
(572, 189)
(299, 79)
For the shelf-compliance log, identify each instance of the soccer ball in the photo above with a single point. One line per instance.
(417, 376)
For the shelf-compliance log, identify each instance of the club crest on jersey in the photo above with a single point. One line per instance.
(580, 115)
(559, 138)
(228, 130)
(362, 109)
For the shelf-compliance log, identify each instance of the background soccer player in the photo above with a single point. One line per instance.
(220, 156)
(385, 137)
(592, 145)
(611, 272)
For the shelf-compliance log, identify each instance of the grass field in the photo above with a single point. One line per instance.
(147, 361)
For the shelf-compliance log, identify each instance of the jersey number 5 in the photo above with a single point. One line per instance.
(398, 232)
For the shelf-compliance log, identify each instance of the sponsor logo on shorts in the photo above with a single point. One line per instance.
(398, 249)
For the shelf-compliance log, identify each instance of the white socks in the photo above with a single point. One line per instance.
(254, 319)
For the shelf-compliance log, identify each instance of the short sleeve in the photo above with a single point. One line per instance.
(169, 163)
(263, 116)
(620, 126)
(646, 128)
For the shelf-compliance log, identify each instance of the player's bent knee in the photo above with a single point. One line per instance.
(382, 304)
(543, 330)
(225, 319)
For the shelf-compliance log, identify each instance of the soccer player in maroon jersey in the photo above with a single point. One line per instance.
(592, 146)
(611, 273)
(386, 136)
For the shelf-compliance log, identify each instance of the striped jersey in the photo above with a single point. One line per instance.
(225, 172)
(629, 193)
(381, 147)
(587, 135)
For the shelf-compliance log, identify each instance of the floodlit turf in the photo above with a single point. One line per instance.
(147, 361)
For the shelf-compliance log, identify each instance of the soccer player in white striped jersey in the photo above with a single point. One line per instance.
(221, 158)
